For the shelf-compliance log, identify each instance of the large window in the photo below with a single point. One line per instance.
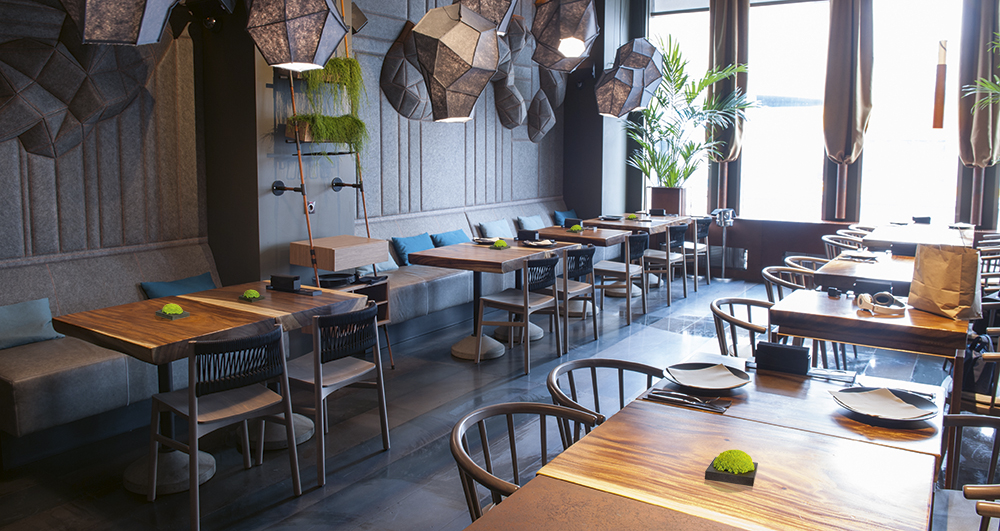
(783, 148)
(691, 30)
(909, 168)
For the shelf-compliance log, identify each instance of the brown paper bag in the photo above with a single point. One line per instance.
(946, 281)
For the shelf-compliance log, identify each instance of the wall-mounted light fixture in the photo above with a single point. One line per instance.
(296, 35)
(458, 54)
(564, 31)
(119, 22)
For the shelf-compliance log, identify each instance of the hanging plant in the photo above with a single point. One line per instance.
(340, 76)
(347, 129)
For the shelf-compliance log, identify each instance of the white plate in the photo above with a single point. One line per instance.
(886, 404)
(540, 243)
(709, 376)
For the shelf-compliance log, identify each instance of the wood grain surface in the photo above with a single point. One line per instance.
(841, 274)
(136, 330)
(804, 403)
(336, 253)
(547, 504)
(657, 454)
(484, 258)
(812, 314)
(292, 310)
(654, 225)
(884, 236)
(596, 237)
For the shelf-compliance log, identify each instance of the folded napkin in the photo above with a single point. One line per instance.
(539, 243)
(712, 377)
(878, 403)
(485, 240)
(859, 255)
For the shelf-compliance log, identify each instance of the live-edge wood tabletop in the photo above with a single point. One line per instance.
(483, 258)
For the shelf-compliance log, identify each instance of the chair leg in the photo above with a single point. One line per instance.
(479, 334)
(684, 268)
(555, 307)
(385, 328)
(708, 263)
(154, 451)
(260, 442)
(645, 291)
(193, 480)
(526, 341)
(670, 281)
(695, 253)
(383, 411)
(293, 452)
(593, 306)
(245, 442)
(320, 437)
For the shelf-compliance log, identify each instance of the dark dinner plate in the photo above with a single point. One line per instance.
(906, 396)
(694, 366)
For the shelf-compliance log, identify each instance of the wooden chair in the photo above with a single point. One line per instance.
(957, 509)
(588, 369)
(781, 279)
(660, 262)
(578, 285)
(623, 274)
(538, 275)
(226, 386)
(836, 244)
(699, 247)
(853, 233)
(809, 263)
(340, 344)
(729, 324)
(862, 228)
(470, 445)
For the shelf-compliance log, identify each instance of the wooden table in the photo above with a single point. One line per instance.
(813, 315)
(884, 236)
(657, 454)
(483, 259)
(648, 224)
(842, 273)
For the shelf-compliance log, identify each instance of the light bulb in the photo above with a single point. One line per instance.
(571, 47)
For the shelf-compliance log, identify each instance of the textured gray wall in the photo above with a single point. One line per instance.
(132, 178)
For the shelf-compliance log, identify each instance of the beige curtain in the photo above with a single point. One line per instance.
(729, 21)
(847, 102)
(978, 137)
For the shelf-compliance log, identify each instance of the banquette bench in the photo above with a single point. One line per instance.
(52, 383)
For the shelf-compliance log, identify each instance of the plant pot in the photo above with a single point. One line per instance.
(673, 200)
(305, 135)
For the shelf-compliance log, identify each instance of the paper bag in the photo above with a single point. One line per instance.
(946, 281)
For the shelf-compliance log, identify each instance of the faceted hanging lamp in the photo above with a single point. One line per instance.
(516, 36)
(131, 22)
(553, 82)
(632, 82)
(564, 31)
(498, 12)
(541, 119)
(511, 108)
(401, 81)
(458, 54)
(616, 92)
(296, 35)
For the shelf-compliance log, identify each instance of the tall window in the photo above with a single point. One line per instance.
(909, 168)
(691, 30)
(783, 147)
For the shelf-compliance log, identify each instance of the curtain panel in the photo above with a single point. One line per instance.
(729, 22)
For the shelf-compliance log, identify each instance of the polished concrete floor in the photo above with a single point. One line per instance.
(414, 485)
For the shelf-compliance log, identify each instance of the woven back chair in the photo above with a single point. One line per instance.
(578, 285)
(618, 275)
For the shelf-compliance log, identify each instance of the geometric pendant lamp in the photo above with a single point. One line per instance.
(631, 83)
(496, 11)
(564, 31)
(458, 54)
(617, 93)
(400, 78)
(296, 35)
(540, 117)
(130, 22)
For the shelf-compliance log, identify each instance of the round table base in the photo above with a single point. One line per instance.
(620, 292)
(535, 333)
(466, 348)
(576, 309)
(274, 433)
(171, 473)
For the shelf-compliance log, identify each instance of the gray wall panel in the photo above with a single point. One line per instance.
(42, 205)
(442, 166)
(109, 184)
(91, 184)
(72, 201)
(132, 185)
(11, 207)
(415, 146)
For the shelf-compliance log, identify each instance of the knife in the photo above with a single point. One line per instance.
(686, 403)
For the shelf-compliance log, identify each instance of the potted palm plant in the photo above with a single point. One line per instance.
(675, 133)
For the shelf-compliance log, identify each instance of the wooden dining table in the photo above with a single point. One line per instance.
(643, 223)
(842, 272)
(885, 236)
(484, 259)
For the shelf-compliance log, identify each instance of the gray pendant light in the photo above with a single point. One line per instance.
(564, 31)
(400, 79)
(458, 54)
(499, 12)
(511, 108)
(553, 83)
(296, 35)
(632, 82)
(541, 119)
(118, 21)
(516, 36)
(616, 93)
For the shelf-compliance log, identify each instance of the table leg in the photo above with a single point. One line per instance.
(466, 348)
(628, 284)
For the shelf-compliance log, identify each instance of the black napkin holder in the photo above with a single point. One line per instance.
(871, 287)
(527, 235)
(657, 212)
(922, 220)
(904, 249)
(779, 357)
(569, 222)
(288, 283)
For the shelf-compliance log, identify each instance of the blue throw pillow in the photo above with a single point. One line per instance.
(495, 229)
(531, 222)
(559, 216)
(183, 286)
(450, 238)
(383, 267)
(26, 322)
(412, 244)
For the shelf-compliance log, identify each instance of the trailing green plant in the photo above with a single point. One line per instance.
(675, 133)
(338, 77)
(347, 129)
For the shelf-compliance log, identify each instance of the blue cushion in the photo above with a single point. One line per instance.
(183, 286)
(450, 238)
(383, 267)
(531, 222)
(559, 216)
(412, 244)
(495, 229)
(26, 322)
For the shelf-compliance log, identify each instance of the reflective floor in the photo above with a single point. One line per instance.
(415, 485)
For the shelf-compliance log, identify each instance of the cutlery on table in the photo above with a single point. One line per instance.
(686, 403)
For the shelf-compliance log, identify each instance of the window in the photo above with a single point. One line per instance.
(783, 147)
(909, 168)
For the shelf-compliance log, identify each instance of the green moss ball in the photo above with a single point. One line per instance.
(576, 228)
(734, 461)
(500, 244)
(633, 216)
(251, 294)
(172, 309)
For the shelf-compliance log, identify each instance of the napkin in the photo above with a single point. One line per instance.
(713, 377)
(878, 403)
(540, 243)
(861, 255)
